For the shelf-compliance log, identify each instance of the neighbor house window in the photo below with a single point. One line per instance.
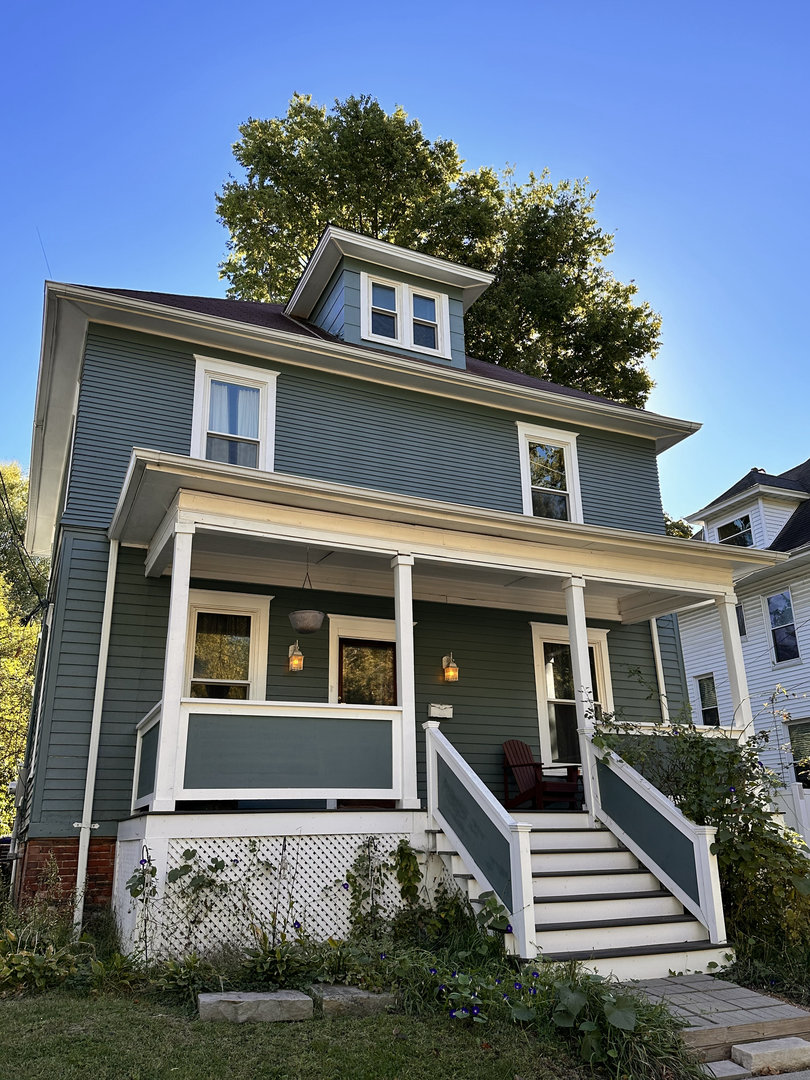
(398, 314)
(234, 414)
(710, 714)
(549, 473)
(736, 532)
(783, 627)
(741, 620)
(227, 645)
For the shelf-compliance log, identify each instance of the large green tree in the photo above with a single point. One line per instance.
(23, 583)
(555, 311)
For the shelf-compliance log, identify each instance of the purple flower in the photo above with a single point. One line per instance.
(497, 982)
(518, 986)
(535, 974)
(465, 1011)
(143, 862)
(453, 974)
(509, 928)
(382, 955)
(505, 997)
(296, 924)
(533, 990)
(732, 789)
(442, 987)
(476, 1009)
(433, 971)
(452, 1013)
(345, 884)
(235, 861)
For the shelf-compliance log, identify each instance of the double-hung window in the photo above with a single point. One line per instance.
(549, 473)
(737, 532)
(783, 627)
(399, 314)
(707, 692)
(227, 645)
(234, 414)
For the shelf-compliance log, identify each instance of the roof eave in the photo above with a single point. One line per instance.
(756, 491)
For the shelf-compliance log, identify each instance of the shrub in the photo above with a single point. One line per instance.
(28, 970)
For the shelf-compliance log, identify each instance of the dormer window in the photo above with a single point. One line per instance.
(394, 313)
(737, 532)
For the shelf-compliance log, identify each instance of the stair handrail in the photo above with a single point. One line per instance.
(465, 828)
(699, 886)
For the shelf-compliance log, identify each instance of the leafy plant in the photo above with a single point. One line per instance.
(27, 970)
(185, 979)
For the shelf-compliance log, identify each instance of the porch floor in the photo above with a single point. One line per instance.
(720, 1014)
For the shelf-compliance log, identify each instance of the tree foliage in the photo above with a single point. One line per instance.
(555, 310)
(23, 582)
(678, 527)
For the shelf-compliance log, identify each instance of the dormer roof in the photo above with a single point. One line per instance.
(336, 244)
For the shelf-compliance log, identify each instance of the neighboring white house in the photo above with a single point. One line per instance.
(773, 614)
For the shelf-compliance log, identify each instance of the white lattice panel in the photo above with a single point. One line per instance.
(265, 879)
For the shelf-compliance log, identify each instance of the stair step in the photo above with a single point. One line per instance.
(606, 905)
(582, 882)
(571, 839)
(619, 934)
(583, 859)
(649, 961)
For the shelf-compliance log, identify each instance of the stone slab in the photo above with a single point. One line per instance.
(253, 1008)
(773, 1054)
(726, 1070)
(339, 1001)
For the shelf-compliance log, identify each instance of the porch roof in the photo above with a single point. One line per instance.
(472, 552)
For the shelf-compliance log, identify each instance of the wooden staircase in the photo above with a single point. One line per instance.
(594, 902)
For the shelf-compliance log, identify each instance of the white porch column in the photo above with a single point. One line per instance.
(741, 702)
(574, 589)
(403, 614)
(174, 671)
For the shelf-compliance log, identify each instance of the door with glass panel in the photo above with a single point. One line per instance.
(367, 672)
(559, 741)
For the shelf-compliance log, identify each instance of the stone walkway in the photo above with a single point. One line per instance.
(720, 1014)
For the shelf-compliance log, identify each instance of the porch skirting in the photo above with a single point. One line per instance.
(286, 871)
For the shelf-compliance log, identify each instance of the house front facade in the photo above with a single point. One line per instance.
(772, 512)
(485, 557)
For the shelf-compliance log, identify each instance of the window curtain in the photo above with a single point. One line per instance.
(234, 410)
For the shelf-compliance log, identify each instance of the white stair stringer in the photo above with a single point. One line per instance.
(594, 903)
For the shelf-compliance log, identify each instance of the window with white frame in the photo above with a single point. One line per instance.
(399, 314)
(226, 649)
(707, 693)
(737, 533)
(549, 473)
(781, 620)
(234, 414)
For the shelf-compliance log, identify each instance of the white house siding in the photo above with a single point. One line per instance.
(754, 511)
(703, 653)
(776, 513)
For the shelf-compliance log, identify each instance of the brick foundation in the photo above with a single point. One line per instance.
(34, 881)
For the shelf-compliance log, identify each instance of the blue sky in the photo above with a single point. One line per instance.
(690, 118)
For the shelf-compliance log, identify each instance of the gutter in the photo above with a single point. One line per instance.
(86, 825)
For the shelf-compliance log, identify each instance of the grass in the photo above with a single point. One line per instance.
(64, 1036)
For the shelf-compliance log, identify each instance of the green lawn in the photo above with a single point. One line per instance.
(62, 1036)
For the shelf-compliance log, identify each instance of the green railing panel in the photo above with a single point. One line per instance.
(665, 843)
(288, 752)
(474, 828)
(148, 763)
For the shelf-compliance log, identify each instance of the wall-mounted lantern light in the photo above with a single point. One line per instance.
(296, 658)
(450, 668)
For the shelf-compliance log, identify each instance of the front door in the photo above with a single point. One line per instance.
(367, 672)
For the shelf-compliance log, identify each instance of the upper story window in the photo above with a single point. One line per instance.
(736, 532)
(549, 473)
(227, 645)
(783, 627)
(398, 314)
(709, 712)
(234, 414)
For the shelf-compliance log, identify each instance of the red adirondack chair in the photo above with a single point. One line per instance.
(532, 785)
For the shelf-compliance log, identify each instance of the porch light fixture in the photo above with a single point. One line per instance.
(450, 668)
(306, 620)
(296, 662)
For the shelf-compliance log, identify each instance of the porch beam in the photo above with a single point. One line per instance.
(174, 672)
(574, 590)
(402, 566)
(743, 717)
(159, 551)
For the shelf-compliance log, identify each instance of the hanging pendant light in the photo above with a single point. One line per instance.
(306, 620)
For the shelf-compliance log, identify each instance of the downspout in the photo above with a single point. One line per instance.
(86, 825)
(659, 671)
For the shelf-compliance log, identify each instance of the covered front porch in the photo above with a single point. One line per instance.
(544, 620)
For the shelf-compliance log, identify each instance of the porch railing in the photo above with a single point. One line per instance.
(494, 846)
(661, 837)
(268, 751)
